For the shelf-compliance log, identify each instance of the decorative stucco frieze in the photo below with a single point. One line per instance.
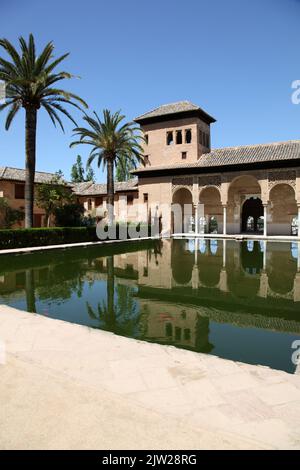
(209, 180)
(183, 182)
(282, 177)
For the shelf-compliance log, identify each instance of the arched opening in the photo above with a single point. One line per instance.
(282, 269)
(182, 262)
(244, 216)
(251, 257)
(283, 210)
(252, 216)
(183, 221)
(211, 212)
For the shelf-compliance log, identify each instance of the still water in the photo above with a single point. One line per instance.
(237, 300)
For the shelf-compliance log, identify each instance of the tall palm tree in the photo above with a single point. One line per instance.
(111, 142)
(29, 80)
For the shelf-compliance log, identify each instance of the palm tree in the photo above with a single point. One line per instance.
(29, 80)
(111, 143)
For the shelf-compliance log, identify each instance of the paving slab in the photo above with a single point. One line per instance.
(69, 386)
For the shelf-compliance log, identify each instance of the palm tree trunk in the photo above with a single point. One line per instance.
(30, 136)
(30, 291)
(110, 190)
(110, 290)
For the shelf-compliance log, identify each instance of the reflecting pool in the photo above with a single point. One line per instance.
(237, 300)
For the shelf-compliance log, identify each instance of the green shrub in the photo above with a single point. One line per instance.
(23, 238)
(69, 215)
(8, 215)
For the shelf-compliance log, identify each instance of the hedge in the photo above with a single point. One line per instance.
(23, 238)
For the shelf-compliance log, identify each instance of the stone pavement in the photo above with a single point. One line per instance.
(69, 386)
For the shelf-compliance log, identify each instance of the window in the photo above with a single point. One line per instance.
(207, 140)
(187, 334)
(37, 220)
(188, 136)
(19, 191)
(170, 140)
(21, 279)
(145, 273)
(178, 137)
(146, 159)
(201, 137)
(145, 196)
(177, 333)
(130, 200)
(183, 155)
(129, 268)
(146, 137)
(169, 329)
(89, 204)
(99, 201)
(204, 139)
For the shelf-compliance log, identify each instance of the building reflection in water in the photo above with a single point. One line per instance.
(174, 292)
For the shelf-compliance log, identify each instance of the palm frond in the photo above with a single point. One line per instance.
(11, 114)
(30, 77)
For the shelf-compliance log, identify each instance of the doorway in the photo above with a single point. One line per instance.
(252, 216)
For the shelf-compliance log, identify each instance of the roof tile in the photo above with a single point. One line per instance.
(280, 151)
(172, 108)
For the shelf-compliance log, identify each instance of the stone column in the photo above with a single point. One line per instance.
(195, 277)
(196, 220)
(223, 286)
(224, 219)
(196, 250)
(224, 253)
(265, 220)
(264, 255)
(263, 285)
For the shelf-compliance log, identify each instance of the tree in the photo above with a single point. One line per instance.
(112, 143)
(77, 171)
(30, 83)
(52, 195)
(78, 174)
(123, 169)
(69, 215)
(90, 174)
(8, 215)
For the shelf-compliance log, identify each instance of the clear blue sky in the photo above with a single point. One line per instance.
(234, 58)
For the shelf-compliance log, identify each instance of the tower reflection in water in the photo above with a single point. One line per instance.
(238, 300)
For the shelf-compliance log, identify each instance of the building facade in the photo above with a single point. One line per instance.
(12, 188)
(235, 190)
(246, 189)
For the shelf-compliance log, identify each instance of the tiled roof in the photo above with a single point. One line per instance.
(252, 154)
(78, 188)
(86, 188)
(95, 189)
(246, 154)
(172, 108)
(17, 174)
